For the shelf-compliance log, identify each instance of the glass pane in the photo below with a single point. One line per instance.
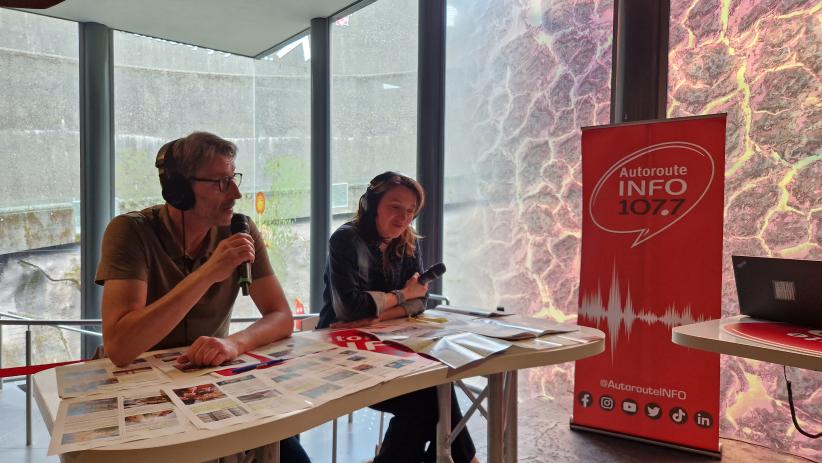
(165, 90)
(282, 119)
(40, 182)
(521, 80)
(759, 63)
(373, 99)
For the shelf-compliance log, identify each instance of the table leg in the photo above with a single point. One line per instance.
(495, 417)
(1, 354)
(444, 423)
(511, 404)
(28, 387)
(334, 441)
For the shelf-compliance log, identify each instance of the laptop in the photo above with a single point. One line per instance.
(782, 290)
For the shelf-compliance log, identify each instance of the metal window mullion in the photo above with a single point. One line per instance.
(639, 70)
(431, 128)
(320, 156)
(97, 161)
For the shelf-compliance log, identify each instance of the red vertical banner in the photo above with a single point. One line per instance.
(651, 260)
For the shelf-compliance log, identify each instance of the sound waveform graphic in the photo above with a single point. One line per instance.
(621, 318)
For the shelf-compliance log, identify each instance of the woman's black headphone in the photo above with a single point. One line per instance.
(370, 199)
(177, 189)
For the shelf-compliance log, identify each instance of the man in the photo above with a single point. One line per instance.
(169, 272)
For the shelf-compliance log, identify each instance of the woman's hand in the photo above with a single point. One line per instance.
(413, 289)
(355, 323)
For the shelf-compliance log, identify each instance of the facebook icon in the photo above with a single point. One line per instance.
(585, 399)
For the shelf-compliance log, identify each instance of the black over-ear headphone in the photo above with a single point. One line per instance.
(369, 199)
(177, 189)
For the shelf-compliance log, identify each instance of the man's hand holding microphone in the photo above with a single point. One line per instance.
(234, 252)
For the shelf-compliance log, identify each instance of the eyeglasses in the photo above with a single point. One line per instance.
(236, 179)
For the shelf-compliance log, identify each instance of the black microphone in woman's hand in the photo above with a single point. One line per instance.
(239, 224)
(435, 271)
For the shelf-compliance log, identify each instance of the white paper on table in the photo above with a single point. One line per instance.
(166, 361)
(338, 372)
(449, 342)
(444, 318)
(512, 327)
(316, 381)
(91, 422)
(150, 413)
(261, 395)
(214, 403)
(518, 327)
(291, 347)
(85, 423)
(205, 405)
(475, 311)
(459, 350)
(333, 383)
(402, 329)
(101, 376)
(374, 363)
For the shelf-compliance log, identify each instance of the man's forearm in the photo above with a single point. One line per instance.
(155, 321)
(272, 326)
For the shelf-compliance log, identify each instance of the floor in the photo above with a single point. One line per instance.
(547, 438)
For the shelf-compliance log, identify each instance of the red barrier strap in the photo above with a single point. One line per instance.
(32, 369)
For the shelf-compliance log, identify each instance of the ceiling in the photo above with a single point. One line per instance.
(248, 27)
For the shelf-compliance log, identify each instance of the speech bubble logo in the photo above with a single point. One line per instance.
(651, 189)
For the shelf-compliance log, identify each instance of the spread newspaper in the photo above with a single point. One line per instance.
(106, 419)
(450, 346)
(157, 396)
(166, 362)
(300, 383)
(100, 376)
(295, 346)
(511, 327)
(211, 403)
(150, 410)
(460, 339)
(338, 372)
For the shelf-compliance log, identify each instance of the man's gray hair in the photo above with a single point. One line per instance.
(199, 149)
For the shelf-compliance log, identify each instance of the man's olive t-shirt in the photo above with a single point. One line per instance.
(140, 246)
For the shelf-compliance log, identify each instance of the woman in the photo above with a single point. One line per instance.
(371, 274)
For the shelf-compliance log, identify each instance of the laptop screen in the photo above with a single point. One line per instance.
(783, 290)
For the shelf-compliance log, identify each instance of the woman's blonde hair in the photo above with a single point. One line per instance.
(365, 220)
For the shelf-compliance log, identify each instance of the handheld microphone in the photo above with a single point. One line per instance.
(435, 271)
(239, 224)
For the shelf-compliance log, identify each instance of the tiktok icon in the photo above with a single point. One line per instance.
(678, 415)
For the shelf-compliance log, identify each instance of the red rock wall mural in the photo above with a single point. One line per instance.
(524, 76)
(761, 62)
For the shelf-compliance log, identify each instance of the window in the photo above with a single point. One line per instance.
(373, 99)
(165, 90)
(40, 182)
(282, 93)
(760, 64)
